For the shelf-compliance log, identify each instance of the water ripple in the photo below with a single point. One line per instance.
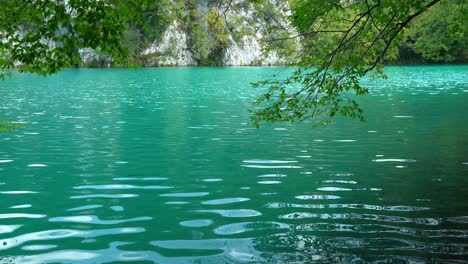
(212, 180)
(269, 182)
(225, 201)
(85, 207)
(64, 233)
(105, 196)
(374, 229)
(38, 247)
(196, 223)
(394, 160)
(177, 202)
(92, 219)
(188, 194)
(37, 165)
(121, 187)
(233, 212)
(17, 192)
(237, 228)
(139, 179)
(8, 228)
(269, 161)
(458, 219)
(340, 181)
(21, 206)
(272, 176)
(367, 217)
(317, 197)
(397, 208)
(334, 189)
(18, 215)
(228, 250)
(386, 243)
(271, 167)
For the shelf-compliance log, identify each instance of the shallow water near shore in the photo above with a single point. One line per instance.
(160, 165)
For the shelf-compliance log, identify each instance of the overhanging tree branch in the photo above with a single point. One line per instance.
(340, 51)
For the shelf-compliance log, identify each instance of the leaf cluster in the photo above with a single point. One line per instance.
(44, 36)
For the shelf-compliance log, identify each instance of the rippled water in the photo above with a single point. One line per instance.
(159, 165)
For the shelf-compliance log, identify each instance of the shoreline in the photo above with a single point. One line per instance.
(255, 66)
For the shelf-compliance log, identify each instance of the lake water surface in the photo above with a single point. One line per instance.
(160, 165)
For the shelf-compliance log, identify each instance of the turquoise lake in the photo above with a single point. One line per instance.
(161, 166)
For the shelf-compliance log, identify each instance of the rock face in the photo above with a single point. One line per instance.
(172, 50)
(90, 58)
(237, 43)
(215, 33)
(248, 52)
(249, 49)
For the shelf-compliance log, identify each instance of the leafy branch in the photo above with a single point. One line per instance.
(342, 44)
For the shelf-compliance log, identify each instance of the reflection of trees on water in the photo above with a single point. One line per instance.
(296, 248)
(292, 247)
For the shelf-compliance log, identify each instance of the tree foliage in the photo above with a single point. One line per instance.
(439, 35)
(343, 41)
(44, 36)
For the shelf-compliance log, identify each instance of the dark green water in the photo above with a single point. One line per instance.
(159, 165)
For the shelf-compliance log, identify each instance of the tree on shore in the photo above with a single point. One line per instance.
(343, 41)
(45, 36)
